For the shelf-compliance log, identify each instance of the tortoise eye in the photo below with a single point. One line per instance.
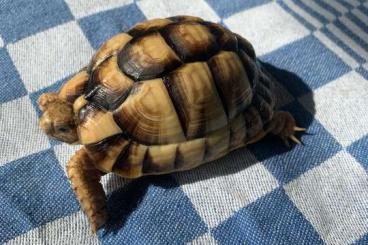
(63, 129)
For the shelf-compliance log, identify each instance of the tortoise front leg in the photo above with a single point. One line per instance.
(85, 180)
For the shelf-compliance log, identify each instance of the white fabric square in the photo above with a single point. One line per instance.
(167, 8)
(64, 152)
(1, 42)
(220, 188)
(19, 124)
(205, 239)
(110, 182)
(82, 8)
(267, 27)
(73, 229)
(341, 106)
(51, 55)
(334, 198)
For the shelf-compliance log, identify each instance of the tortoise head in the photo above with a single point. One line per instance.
(57, 119)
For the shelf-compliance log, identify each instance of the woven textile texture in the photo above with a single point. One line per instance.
(316, 193)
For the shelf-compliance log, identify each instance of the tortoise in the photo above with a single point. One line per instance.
(168, 95)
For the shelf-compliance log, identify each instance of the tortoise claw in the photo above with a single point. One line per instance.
(298, 129)
(295, 139)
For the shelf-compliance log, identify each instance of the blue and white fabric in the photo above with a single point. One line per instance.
(316, 193)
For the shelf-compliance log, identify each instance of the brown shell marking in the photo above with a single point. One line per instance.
(106, 152)
(192, 41)
(148, 119)
(148, 26)
(225, 39)
(160, 158)
(110, 85)
(147, 57)
(238, 131)
(231, 81)
(217, 144)
(110, 47)
(253, 122)
(190, 153)
(180, 18)
(194, 95)
(130, 162)
(74, 87)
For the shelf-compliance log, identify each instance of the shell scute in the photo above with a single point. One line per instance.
(148, 119)
(197, 103)
(147, 57)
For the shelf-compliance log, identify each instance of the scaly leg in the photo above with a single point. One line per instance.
(283, 125)
(85, 180)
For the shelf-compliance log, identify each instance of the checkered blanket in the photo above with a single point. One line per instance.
(316, 193)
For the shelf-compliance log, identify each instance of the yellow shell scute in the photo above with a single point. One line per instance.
(97, 127)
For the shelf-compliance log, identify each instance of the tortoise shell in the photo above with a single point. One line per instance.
(171, 94)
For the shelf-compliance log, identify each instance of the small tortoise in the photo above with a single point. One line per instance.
(168, 95)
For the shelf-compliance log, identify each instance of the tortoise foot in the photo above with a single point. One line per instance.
(284, 126)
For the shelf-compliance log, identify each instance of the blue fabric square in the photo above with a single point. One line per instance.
(272, 219)
(362, 241)
(359, 149)
(34, 190)
(310, 60)
(102, 26)
(287, 164)
(11, 85)
(151, 210)
(22, 18)
(224, 9)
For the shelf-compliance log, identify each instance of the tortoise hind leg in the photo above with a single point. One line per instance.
(284, 126)
(85, 180)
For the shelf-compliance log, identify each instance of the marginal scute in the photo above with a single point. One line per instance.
(194, 95)
(148, 26)
(108, 85)
(148, 114)
(251, 68)
(245, 45)
(106, 152)
(147, 57)
(74, 87)
(253, 122)
(225, 38)
(231, 81)
(191, 41)
(181, 18)
(238, 131)
(217, 143)
(160, 159)
(95, 124)
(190, 153)
(130, 161)
(110, 47)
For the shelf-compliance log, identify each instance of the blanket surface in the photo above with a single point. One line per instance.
(316, 193)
